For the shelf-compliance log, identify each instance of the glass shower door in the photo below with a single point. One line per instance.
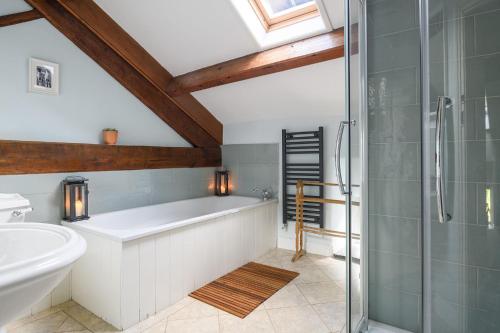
(353, 188)
(461, 169)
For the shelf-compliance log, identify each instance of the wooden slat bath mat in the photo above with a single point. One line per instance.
(244, 289)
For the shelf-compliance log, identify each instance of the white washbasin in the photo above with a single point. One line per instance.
(34, 258)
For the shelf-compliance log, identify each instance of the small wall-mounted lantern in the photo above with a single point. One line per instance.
(221, 183)
(75, 196)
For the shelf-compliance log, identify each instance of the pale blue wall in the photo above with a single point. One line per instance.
(89, 101)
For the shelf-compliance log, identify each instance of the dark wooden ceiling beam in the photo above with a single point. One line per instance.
(25, 157)
(22, 17)
(97, 20)
(309, 51)
(128, 75)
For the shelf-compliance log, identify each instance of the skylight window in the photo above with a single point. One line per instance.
(276, 22)
(275, 14)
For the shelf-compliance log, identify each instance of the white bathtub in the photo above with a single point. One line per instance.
(139, 261)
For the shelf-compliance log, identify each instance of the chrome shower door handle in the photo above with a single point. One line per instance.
(338, 147)
(443, 103)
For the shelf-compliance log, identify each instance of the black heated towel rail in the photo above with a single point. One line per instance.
(302, 154)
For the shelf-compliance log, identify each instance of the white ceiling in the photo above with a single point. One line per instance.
(314, 90)
(184, 35)
(190, 34)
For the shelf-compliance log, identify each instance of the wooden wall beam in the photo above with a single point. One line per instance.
(94, 18)
(22, 17)
(26, 157)
(309, 51)
(131, 78)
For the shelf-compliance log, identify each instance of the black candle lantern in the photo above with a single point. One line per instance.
(222, 183)
(76, 195)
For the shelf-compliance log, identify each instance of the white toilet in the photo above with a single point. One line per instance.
(13, 208)
(34, 257)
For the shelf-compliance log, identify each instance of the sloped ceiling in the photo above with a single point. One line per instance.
(315, 90)
(191, 34)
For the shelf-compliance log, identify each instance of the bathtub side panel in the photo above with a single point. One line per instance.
(163, 271)
(130, 285)
(265, 229)
(95, 278)
(147, 274)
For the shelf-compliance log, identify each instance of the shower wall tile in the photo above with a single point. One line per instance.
(399, 161)
(392, 88)
(447, 241)
(395, 271)
(394, 308)
(453, 283)
(388, 16)
(488, 289)
(465, 270)
(481, 161)
(394, 163)
(394, 124)
(480, 201)
(394, 51)
(483, 76)
(482, 246)
(484, 118)
(479, 320)
(449, 317)
(438, 41)
(444, 10)
(394, 198)
(394, 234)
(486, 41)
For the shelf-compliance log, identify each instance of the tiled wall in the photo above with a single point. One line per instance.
(465, 266)
(394, 157)
(465, 252)
(111, 190)
(252, 165)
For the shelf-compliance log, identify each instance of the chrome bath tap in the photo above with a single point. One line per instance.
(265, 192)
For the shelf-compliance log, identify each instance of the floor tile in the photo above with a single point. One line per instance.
(309, 274)
(270, 261)
(89, 320)
(195, 310)
(335, 270)
(160, 316)
(287, 263)
(158, 328)
(256, 322)
(287, 296)
(200, 325)
(29, 319)
(70, 325)
(322, 292)
(297, 319)
(47, 324)
(332, 314)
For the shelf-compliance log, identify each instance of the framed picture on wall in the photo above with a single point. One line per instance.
(43, 77)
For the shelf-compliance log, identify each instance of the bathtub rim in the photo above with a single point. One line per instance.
(82, 225)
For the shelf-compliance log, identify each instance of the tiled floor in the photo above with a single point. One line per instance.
(313, 302)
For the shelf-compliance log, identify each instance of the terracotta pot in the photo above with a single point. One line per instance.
(110, 137)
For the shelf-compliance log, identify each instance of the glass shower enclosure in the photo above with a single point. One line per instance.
(423, 90)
